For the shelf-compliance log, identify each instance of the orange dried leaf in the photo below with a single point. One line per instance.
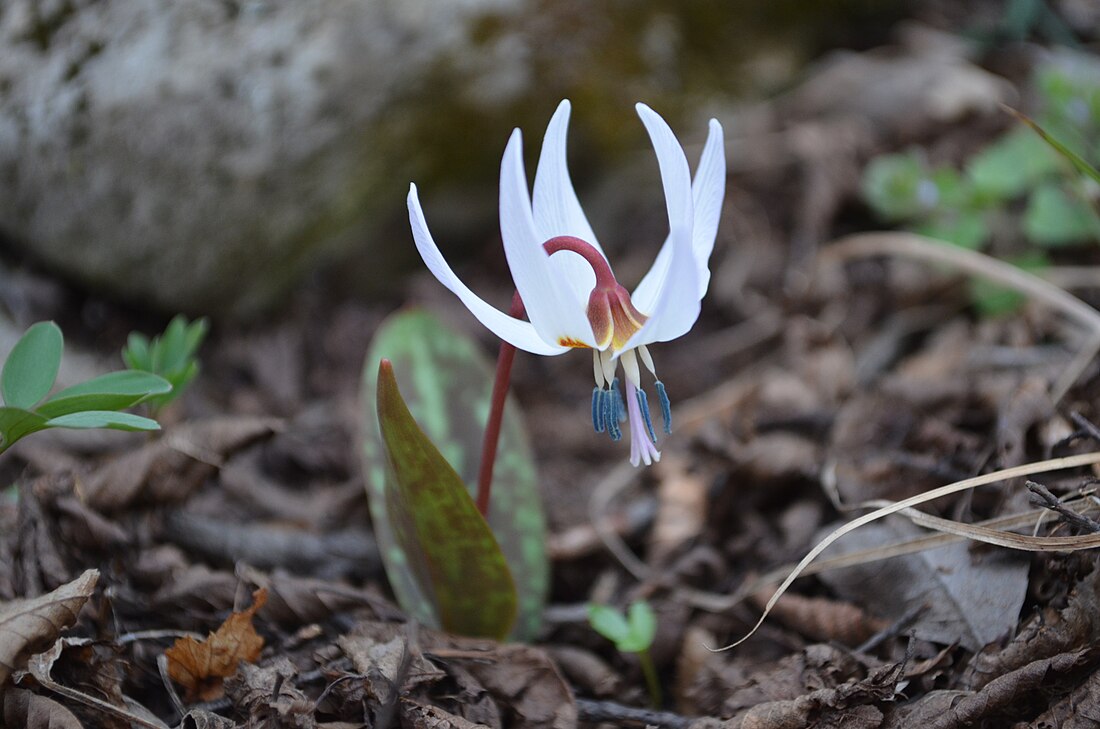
(200, 666)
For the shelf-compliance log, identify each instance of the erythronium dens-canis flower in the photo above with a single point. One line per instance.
(565, 281)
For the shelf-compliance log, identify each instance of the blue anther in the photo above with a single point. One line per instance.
(620, 405)
(597, 409)
(666, 407)
(643, 403)
(610, 423)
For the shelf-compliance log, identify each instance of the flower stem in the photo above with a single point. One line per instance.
(651, 681)
(496, 414)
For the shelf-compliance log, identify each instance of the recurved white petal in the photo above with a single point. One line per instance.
(676, 307)
(518, 333)
(708, 189)
(551, 302)
(556, 208)
(672, 303)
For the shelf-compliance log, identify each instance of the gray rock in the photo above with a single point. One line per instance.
(198, 154)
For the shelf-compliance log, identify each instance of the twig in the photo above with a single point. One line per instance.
(591, 711)
(893, 630)
(1043, 497)
(162, 667)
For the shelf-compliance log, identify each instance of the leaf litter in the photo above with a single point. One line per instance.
(813, 396)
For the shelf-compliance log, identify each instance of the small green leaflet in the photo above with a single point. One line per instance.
(32, 366)
(452, 552)
(29, 374)
(631, 634)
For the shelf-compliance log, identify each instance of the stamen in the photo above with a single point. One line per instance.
(597, 369)
(609, 419)
(666, 407)
(608, 364)
(630, 367)
(647, 360)
(617, 402)
(597, 409)
(643, 403)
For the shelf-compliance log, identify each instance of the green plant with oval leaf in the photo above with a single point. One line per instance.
(29, 374)
(446, 383)
(631, 633)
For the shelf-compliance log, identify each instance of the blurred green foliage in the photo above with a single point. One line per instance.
(170, 355)
(1038, 179)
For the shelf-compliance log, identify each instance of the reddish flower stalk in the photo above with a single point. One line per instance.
(496, 414)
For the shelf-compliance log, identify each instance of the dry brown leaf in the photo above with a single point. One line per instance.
(681, 510)
(823, 619)
(995, 700)
(848, 705)
(29, 710)
(270, 693)
(168, 470)
(1079, 710)
(425, 716)
(973, 596)
(30, 625)
(1047, 634)
(202, 719)
(40, 666)
(200, 666)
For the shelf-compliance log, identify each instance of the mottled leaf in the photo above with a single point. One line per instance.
(31, 368)
(446, 382)
(448, 545)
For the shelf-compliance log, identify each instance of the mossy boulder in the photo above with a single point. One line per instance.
(200, 155)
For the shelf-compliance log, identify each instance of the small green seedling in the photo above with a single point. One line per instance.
(29, 374)
(632, 633)
(170, 355)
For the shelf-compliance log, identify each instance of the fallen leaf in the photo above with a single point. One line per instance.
(995, 700)
(30, 625)
(170, 468)
(426, 716)
(29, 710)
(40, 666)
(270, 692)
(200, 666)
(973, 596)
(847, 705)
(202, 719)
(1048, 633)
(1079, 710)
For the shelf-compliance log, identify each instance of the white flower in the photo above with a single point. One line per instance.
(566, 283)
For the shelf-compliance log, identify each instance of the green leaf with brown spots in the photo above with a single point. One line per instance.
(446, 382)
(451, 552)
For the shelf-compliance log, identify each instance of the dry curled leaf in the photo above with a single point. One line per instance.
(200, 666)
(27, 625)
(26, 709)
